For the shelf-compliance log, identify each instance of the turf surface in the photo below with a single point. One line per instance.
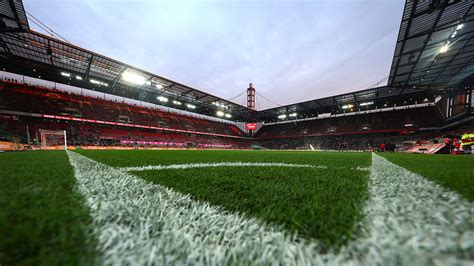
(322, 204)
(453, 172)
(42, 219)
(123, 158)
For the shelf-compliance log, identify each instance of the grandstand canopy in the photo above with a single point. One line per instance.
(435, 45)
(34, 54)
(434, 52)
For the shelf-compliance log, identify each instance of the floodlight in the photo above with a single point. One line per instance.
(347, 106)
(162, 99)
(78, 77)
(366, 103)
(459, 26)
(444, 49)
(220, 113)
(190, 106)
(98, 82)
(133, 78)
(228, 115)
(293, 115)
(65, 74)
(177, 103)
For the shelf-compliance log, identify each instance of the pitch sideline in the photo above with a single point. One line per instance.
(142, 222)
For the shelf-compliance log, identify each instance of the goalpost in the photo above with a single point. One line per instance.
(53, 139)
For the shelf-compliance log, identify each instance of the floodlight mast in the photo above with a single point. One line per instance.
(251, 97)
(250, 101)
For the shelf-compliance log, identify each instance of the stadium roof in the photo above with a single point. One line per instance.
(59, 61)
(434, 50)
(435, 45)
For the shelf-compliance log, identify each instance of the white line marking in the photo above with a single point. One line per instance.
(412, 221)
(409, 221)
(219, 164)
(138, 222)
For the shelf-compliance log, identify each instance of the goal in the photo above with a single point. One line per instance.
(53, 139)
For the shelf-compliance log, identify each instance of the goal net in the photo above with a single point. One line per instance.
(53, 139)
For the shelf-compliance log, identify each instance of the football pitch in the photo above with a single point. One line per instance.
(235, 207)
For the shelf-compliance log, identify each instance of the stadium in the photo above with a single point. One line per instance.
(102, 162)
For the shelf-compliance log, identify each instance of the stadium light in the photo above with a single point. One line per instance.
(191, 106)
(177, 103)
(228, 115)
(366, 103)
(283, 116)
(459, 26)
(444, 49)
(220, 105)
(293, 115)
(98, 82)
(159, 86)
(65, 74)
(347, 106)
(78, 77)
(220, 113)
(134, 78)
(162, 99)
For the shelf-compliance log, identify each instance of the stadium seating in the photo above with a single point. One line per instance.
(169, 129)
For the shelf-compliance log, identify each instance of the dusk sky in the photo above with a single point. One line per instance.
(291, 50)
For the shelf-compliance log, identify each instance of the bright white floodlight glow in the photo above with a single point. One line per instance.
(220, 113)
(459, 26)
(444, 49)
(162, 99)
(347, 106)
(293, 115)
(366, 103)
(159, 86)
(98, 82)
(191, 106)
(65, 74)
(228, 115)
(78, 77)
(283, 116)
(133, 78)
(177, 103)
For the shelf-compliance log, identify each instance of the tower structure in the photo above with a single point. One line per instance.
(251, 97)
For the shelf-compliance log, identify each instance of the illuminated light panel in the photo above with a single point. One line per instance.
(228, 115)
(159, 86)
(133, 78)
(191, 106)
(162, 99)
(65, 74)
(177, 103)
(78, 77)
(444, 49)
(459, 26)
(293, 115)
(220, 113)
(98, 82)
(366, 103)
(347, 106)
(283, 116)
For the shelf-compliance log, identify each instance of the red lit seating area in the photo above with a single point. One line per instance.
(83, 117)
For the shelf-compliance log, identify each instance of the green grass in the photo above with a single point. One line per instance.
(124, 158)
(453, 172)
(322, 204)
(42, 219)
